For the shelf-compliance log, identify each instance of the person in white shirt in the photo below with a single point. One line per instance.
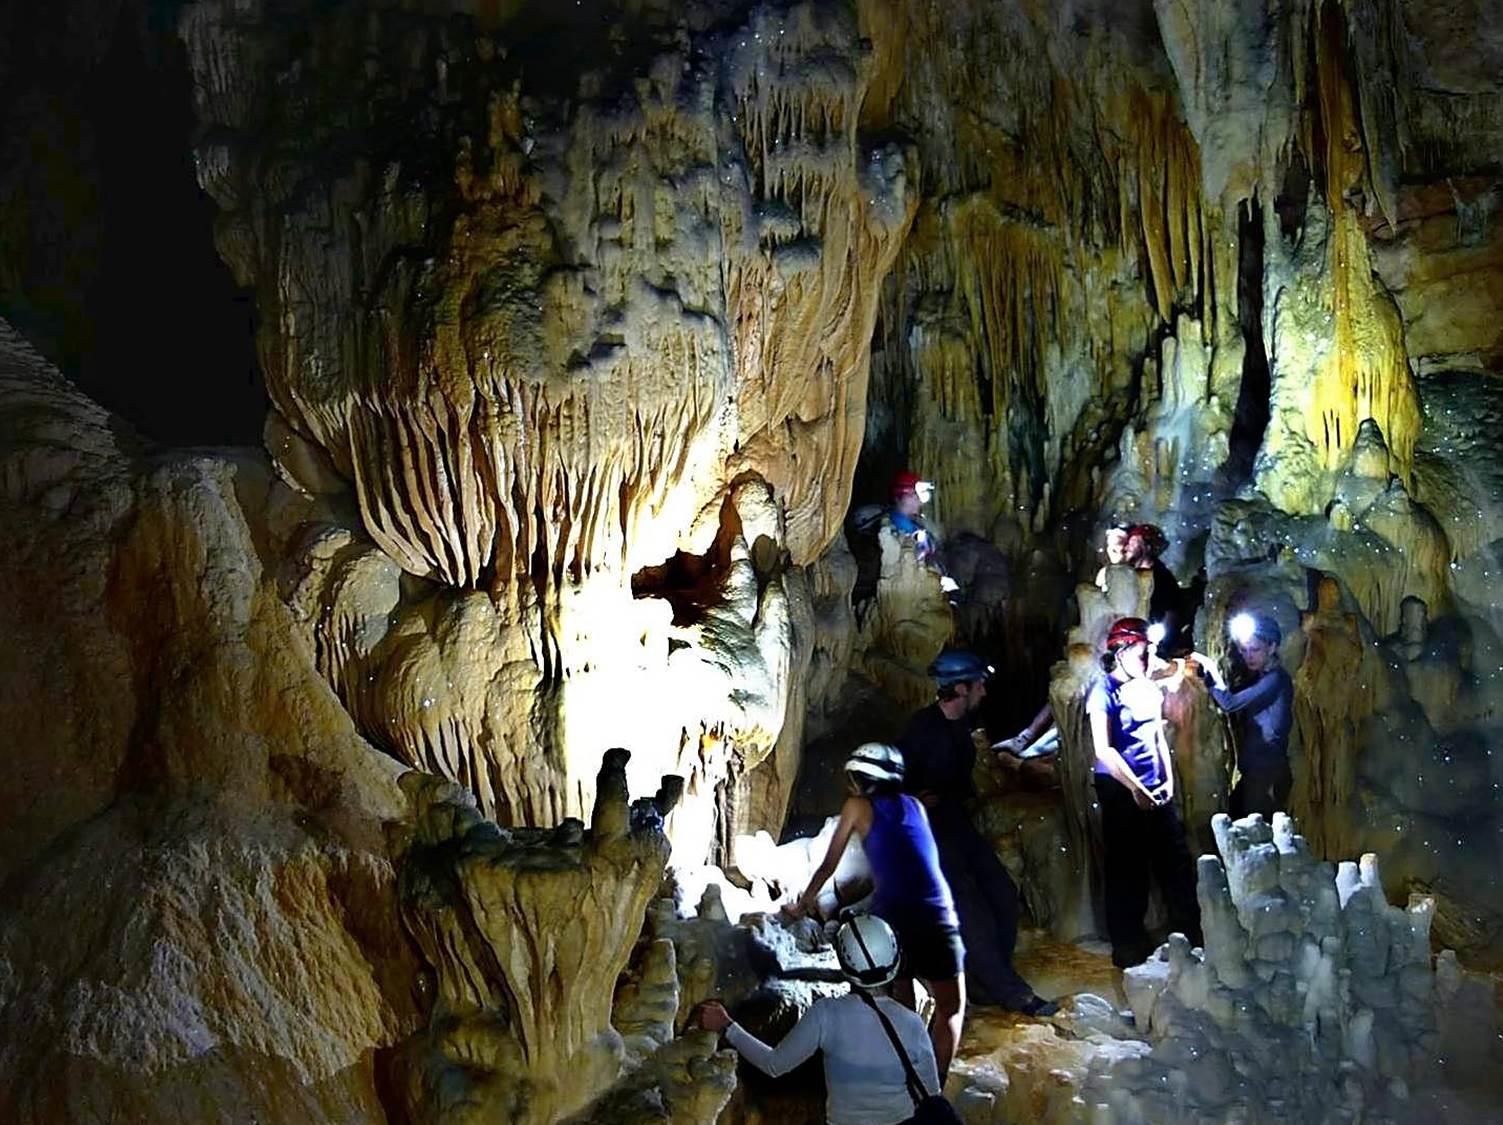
(865, 1081)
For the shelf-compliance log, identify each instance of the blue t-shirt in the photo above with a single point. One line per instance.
(910, 888)
(1134, 710)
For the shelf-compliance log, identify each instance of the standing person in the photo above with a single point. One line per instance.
(1166, 604)
(1135, 787)
(1266, 705)
(865, 1080)
(941, 754)
(909, 495)
(910, 892)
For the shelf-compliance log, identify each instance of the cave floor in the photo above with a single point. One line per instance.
(1016, 1068)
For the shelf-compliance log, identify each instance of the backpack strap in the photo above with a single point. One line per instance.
(911, 1079)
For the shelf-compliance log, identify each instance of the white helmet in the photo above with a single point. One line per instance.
(868, 951)
(876, 760)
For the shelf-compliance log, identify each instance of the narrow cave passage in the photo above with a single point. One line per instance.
(1253, 406)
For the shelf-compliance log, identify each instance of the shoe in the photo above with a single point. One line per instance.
(1039, 1007)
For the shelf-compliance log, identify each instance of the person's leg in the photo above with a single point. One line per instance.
(1236, 803)
(986, 901)
(1283, 782)
(1126, 872)
(949, 1016)
(1175, 872)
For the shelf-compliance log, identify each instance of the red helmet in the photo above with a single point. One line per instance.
(905, 483)
(1127, 631)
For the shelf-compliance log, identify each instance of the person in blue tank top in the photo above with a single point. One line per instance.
(1143, 836)
(910, 894)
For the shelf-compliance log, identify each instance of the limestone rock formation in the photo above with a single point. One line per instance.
(199, 915)
(591, 353)
(1314, 999)
(525, 932)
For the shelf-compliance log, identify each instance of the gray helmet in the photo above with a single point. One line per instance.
(877, 760)
(868, 951)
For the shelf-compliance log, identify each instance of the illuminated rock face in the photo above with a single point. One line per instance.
(526, 932)
(560, 324)
(199, 917)
(1313, 1000)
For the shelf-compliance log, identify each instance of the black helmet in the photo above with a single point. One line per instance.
(957, 666)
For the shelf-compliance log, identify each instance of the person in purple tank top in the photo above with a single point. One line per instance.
(911, 894)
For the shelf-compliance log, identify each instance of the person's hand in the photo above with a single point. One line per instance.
(1010, 745)
(930, 799)
(713, 1016)
(1143, 800)
(796, 909)
(1210, 668)
(947, 584)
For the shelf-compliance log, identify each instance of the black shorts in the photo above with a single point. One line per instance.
(931, 952)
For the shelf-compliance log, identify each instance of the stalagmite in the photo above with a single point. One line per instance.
(526, 933)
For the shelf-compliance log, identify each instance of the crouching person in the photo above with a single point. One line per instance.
(878, 1061)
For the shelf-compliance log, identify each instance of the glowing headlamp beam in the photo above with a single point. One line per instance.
(1243, 628)
(1157, 632)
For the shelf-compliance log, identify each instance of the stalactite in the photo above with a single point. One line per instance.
(1365, 374)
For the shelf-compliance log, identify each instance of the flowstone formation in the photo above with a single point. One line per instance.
(589, 344)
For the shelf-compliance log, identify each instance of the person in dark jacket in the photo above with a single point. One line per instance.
(1266, 706)
(1171, 605)
(940, 756)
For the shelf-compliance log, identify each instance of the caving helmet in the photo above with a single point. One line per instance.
(877, 760)
(909, 483)
(958, 666)
(868, 951)
(1126, 632)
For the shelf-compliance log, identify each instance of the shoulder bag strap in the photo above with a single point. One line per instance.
(915, 1084)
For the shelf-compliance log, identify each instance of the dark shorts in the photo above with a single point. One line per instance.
(932, 952)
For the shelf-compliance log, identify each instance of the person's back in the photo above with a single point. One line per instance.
(864, 1079)
(910, 890)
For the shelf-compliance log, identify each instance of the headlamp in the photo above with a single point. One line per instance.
(1243, 628)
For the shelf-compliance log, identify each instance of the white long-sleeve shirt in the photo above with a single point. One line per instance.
(863, 1077)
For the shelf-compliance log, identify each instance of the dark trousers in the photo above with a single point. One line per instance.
(1263, 791)
(986, 899)
(1143, 844)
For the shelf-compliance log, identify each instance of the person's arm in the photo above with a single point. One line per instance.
(1165, 792)
(797, 1046)
(852, 814)
(1029, 734)
(1209, 669)
(1260, 691)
